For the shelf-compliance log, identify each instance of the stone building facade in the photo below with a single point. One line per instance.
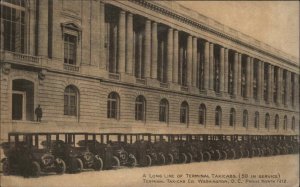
(139, 66)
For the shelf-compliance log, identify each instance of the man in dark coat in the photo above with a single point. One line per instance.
(39, 113)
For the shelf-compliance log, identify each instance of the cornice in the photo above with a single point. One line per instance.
(161, 10)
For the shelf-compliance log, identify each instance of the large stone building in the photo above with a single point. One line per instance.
(139, 66)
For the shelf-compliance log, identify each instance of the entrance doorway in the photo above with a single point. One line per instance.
(18, 105)
(23, 100)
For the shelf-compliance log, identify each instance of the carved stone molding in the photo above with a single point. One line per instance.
(42, 74)
(6, 68)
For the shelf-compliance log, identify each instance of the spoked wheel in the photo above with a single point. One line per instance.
(246, 154)
(206, 156)
(116, 162)
(60, 166)
(200, 157)
(148, 161)
(132, 162)
(183, 158)
(230, 154)
(224, 155)
(35, 169)
(76, 165)
(161, 159)
(98, 163)
(170, 159)
(217, 155)
(5, 167)
(190, 158)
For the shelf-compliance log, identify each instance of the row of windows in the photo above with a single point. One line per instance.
(113, 105)
(12, 16)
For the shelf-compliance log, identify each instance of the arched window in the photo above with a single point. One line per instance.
(232, 117)
(245, 118)
(184, 112)
(267, 120)
(13, 20)
(163, 110)
(202, 114)
(293, 123)
(218, 116)
(285, 123)
(140, 108)
(276, 125)
(256, 120)
(113, 105)
(70, 101)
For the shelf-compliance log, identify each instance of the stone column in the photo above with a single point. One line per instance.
(239, 76)
(296, 90)
(175, 59)
(43, 9)
(262, 66)
(235, 74)
(259, 82)
(226, 65)
(32, 30)
(102, 36)
(251, 78)
(206, 66)
(270, 83)
(279, 87)
(154, 51)
(194, 82)
(248, 78)
(121, 42)
(170, 55)
(222, 68)
(288, 88)
(211, 66)
(189, 60)
(2, 35)
(95, 36)
(147, 49)
(129, 44)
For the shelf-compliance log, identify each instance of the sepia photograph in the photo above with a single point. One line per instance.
(144, 93)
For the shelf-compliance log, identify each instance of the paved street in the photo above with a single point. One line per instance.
(271, 171)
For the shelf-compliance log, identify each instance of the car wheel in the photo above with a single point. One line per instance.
(76, 165)
(60, 166)
(98, 163)
(183, 158)
(115, 162)
(132, 160)
(35, 169)
(170, 158)
(200, 157)
(190, 158)
(5, 167)
(162, 159)
(218, 155)
(148, 160)
(206, 156)
(224, 155)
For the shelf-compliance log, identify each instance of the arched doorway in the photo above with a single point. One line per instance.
(22, 100)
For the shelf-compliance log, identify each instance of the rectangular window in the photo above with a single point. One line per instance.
(70, 49)
(12, 18)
